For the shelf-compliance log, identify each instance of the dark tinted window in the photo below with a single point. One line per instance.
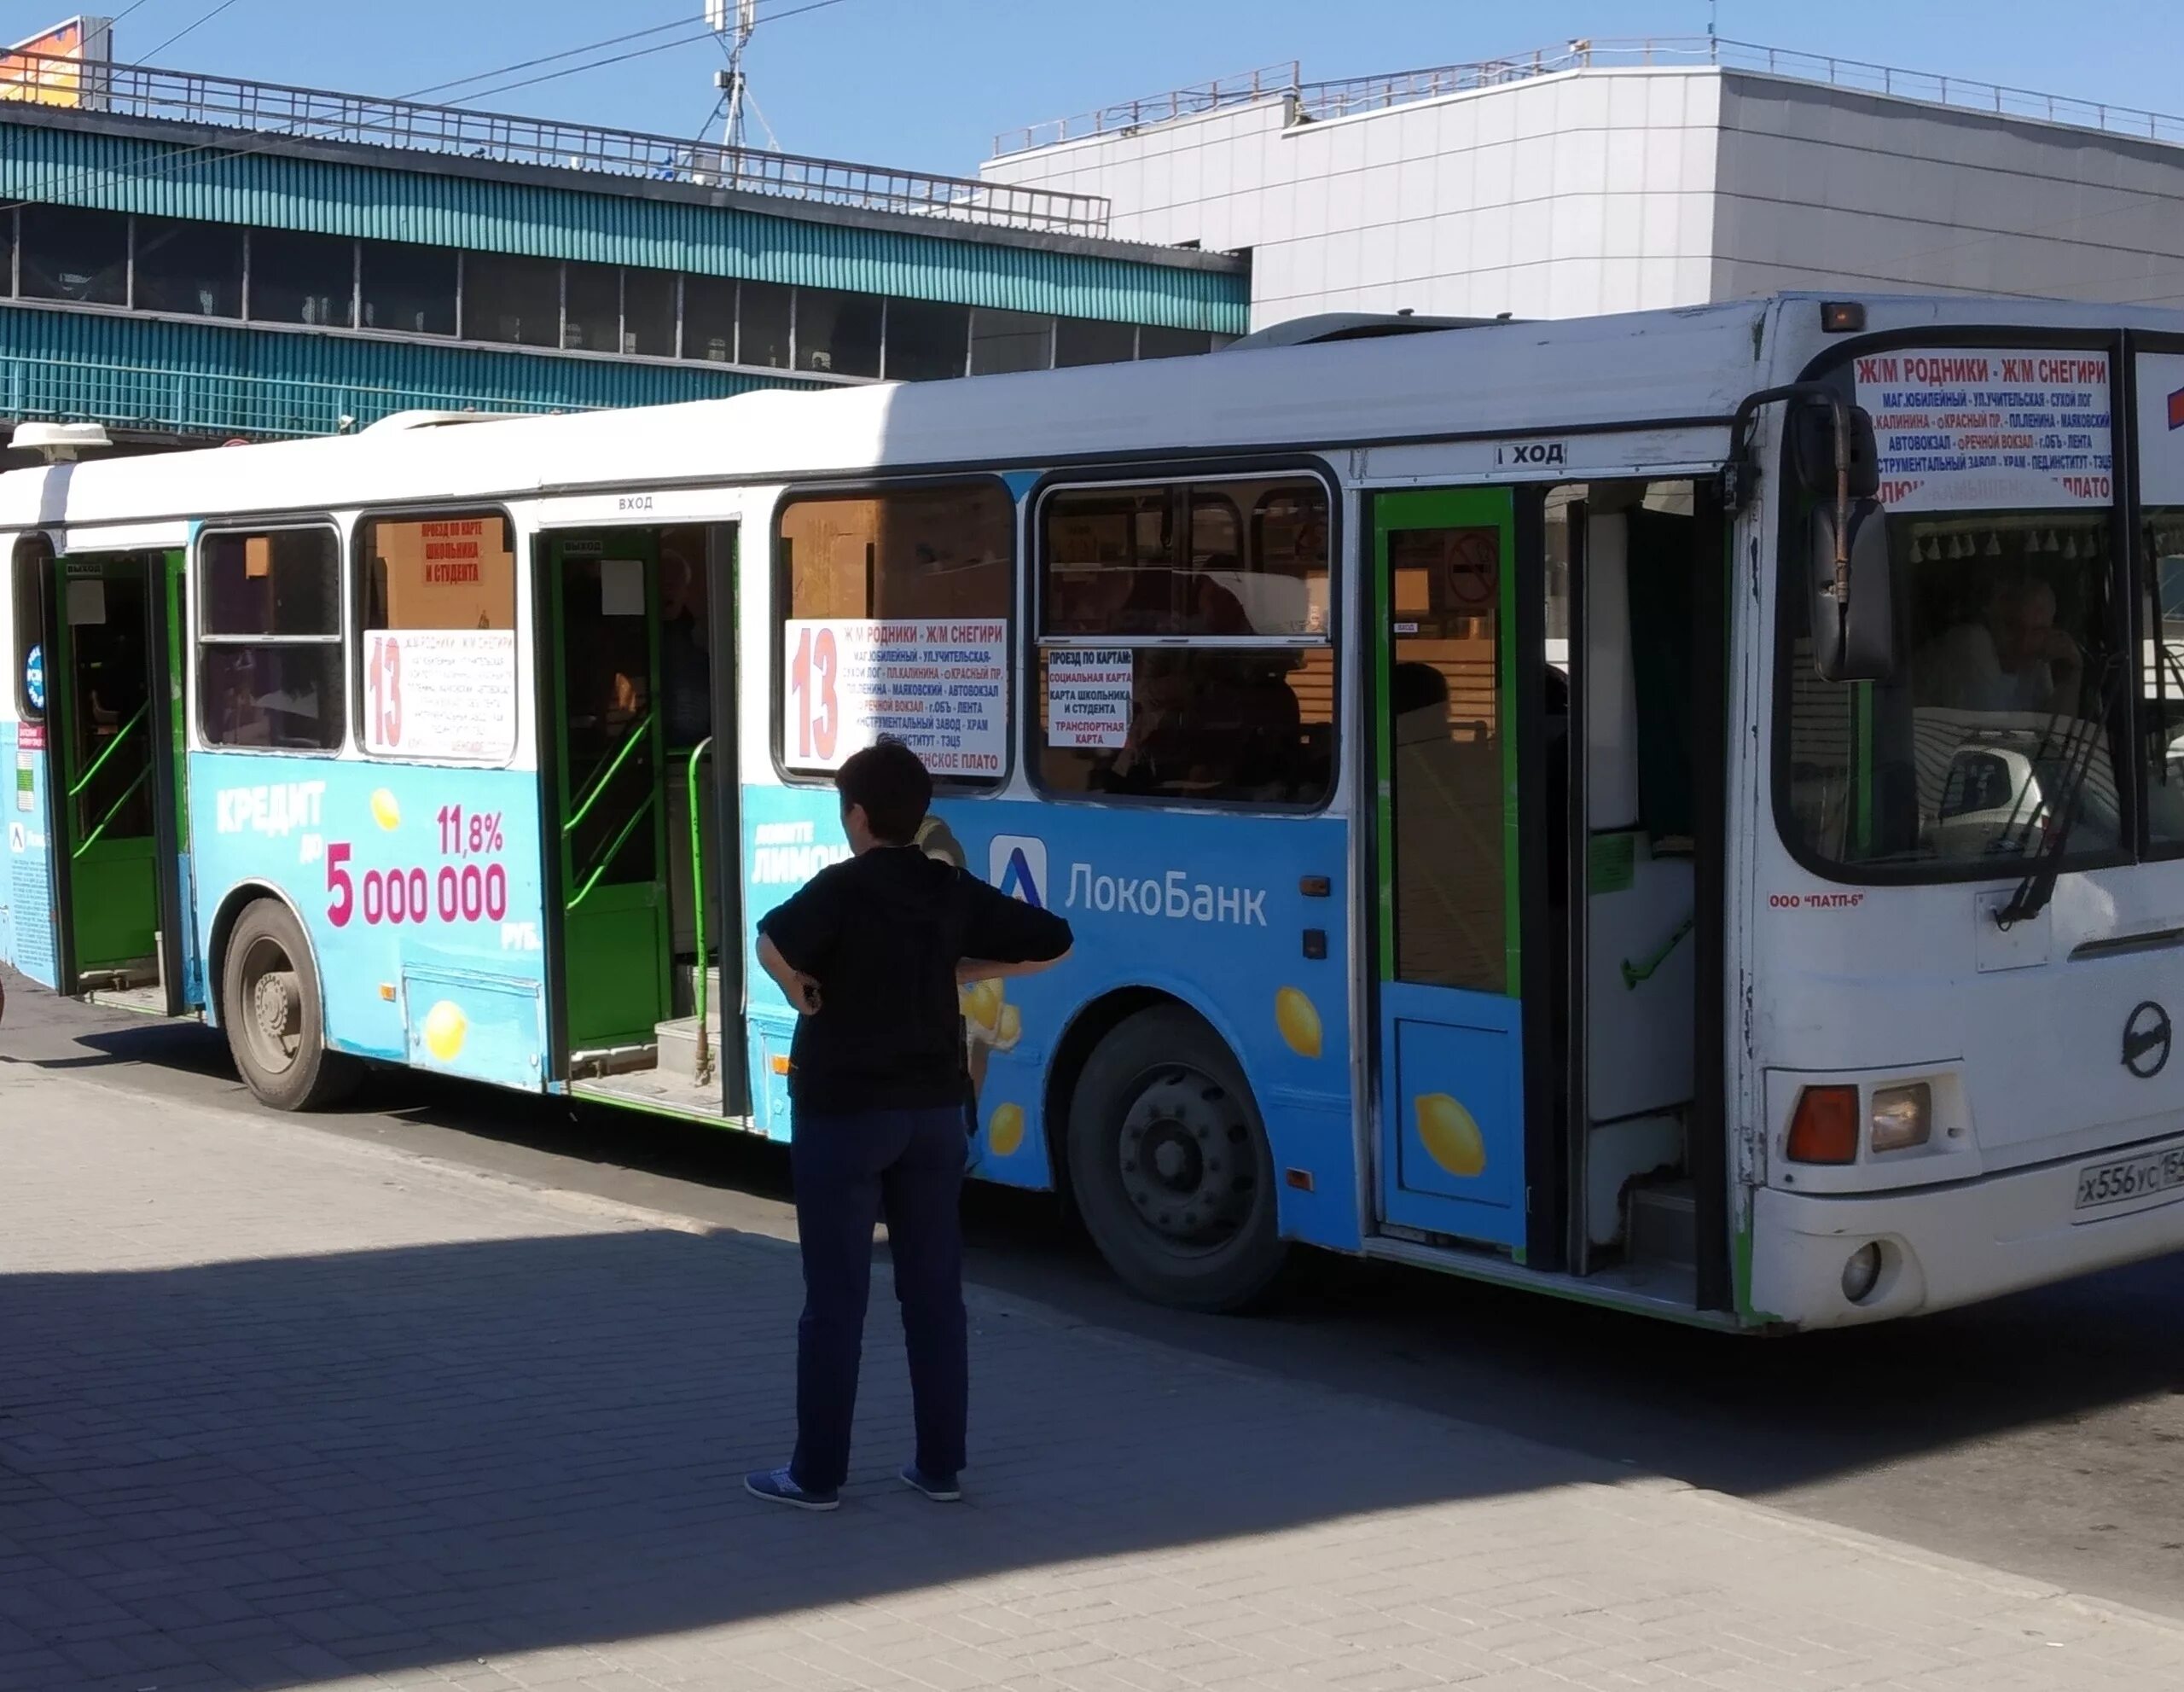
(189, 268)
(926, 342)
(1083, 340)
(303, 279)
(515, 300)
(284, 582)
(1010, 341)
(69, 253)
(709, 319)
(269, 662)
(594, 319)
(648, 313)
(410, 289)
(766, 309)
(838, 332)
(1158, 343)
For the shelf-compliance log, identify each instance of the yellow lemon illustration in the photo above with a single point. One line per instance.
(1299, 1020)
(445, 1028)
(385, 812)
(1010, 1028)
(1006, 1131)
(1450, 1135)
(982, 1004)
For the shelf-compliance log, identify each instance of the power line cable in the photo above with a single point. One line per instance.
(189, 29)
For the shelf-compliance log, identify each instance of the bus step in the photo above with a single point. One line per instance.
(678, 1044)
(1665, 1224)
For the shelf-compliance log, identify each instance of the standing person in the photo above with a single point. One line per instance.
(871, 952)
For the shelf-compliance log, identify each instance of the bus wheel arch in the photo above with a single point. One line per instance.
(264, 976)
(1156, 1140)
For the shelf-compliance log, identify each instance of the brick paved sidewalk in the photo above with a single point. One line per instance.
(280, 1408)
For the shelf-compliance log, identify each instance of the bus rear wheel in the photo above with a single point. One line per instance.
(1169, 1162)
(276, 1024)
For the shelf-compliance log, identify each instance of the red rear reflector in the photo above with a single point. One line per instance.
(780, 1066)
(1824, 1128)
(1301, 1179)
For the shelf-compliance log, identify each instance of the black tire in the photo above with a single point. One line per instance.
(270, 1006)
(1168, 1164)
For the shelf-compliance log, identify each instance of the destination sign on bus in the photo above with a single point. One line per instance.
(940, 687)
(1985, 429)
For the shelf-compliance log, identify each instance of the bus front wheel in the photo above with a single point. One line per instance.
(1169, 1162)
(275, 1025)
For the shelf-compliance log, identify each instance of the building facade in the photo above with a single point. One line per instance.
(1608, 178)
(185, 257)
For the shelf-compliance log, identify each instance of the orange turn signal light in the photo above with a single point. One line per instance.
(1824, 1127)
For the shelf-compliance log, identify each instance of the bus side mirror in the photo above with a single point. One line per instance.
(1853, 606)
(1812, 451)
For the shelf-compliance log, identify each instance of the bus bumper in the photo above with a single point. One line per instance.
(1940, 1247)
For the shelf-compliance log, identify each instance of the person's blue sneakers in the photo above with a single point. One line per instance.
(778, 1486)
(942, 1489)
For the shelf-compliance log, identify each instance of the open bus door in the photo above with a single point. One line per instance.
(113, 776)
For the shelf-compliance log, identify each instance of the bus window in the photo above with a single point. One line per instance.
(1184, 655)
(2163, 712)
(270, 673)
(436, 662)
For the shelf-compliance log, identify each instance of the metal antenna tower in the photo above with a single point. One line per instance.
(736, 37)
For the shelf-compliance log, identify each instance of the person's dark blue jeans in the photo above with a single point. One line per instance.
(849, 1169)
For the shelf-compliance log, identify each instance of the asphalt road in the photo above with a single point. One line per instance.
(2042, 1434)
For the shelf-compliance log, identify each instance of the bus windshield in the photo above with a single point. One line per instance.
(1962, 758)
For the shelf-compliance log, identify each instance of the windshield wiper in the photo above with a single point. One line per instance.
(2038, 885)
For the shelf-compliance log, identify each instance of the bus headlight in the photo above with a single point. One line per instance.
(1862, 1273)
(1903, 1116)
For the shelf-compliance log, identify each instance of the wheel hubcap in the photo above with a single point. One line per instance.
(273, 1009)
(1187, 1161)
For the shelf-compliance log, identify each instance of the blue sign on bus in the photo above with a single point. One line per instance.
(34, 678)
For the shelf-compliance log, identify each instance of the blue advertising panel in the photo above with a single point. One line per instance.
(419, 889)
(26, 902)
(1210, 910)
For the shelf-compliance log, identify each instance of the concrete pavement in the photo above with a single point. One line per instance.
(280, 1408)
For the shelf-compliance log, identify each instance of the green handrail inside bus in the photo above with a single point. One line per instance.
(1633, 973)
(111, 747)
(113, 812)
(698, 754)
(613, 851)
(630, 744)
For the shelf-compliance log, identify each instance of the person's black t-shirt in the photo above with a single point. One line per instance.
(882, 935)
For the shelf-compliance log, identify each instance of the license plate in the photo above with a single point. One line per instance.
(2149, 1175)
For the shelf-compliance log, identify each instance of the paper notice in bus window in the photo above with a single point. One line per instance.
(940, 687)
(440, 694)
(1979, 429)
(86, 602)
(621, 587)
(1089, 696)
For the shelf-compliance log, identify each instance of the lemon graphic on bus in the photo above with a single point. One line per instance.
(387, 811)
(1005, 1133)
(445, 1028)
(1450, 1134)
(1297, 1020)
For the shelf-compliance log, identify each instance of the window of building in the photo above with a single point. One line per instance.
(1158, 343)
(436, 653)
(192, 269)
(513, 301)
(268, 634)
(298, 278)
(70, 254)
(592, 319)
(1084, 340)
(409, 289)
(1184, 652)
(880, 593)
(709, 319)
(8, 252)
(769, 317)
(1002, 341)
(649, 312)
(926, 342)
(838, 333)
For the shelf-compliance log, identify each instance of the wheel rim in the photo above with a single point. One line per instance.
(1188, 1164)
(272, 1009)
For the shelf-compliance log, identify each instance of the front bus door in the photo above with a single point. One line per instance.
(108, 719)
(1451, 1029)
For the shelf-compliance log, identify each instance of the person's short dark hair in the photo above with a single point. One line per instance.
(893, 786)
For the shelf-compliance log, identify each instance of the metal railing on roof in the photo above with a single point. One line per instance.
(1349, 95)
(278, 112)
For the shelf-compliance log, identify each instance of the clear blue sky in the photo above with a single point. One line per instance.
(926, 83)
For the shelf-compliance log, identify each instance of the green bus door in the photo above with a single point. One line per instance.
(615, 951)
(109, 707)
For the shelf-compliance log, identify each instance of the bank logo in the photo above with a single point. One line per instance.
(1017, 864)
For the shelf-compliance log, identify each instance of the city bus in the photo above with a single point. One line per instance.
(1680, 810)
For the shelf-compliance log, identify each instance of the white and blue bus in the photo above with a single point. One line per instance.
(1674, 809)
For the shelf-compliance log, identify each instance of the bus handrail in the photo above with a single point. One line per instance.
(113, 812)
(112, 746)
(607, 858)
(637, 732)
(698, 754)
